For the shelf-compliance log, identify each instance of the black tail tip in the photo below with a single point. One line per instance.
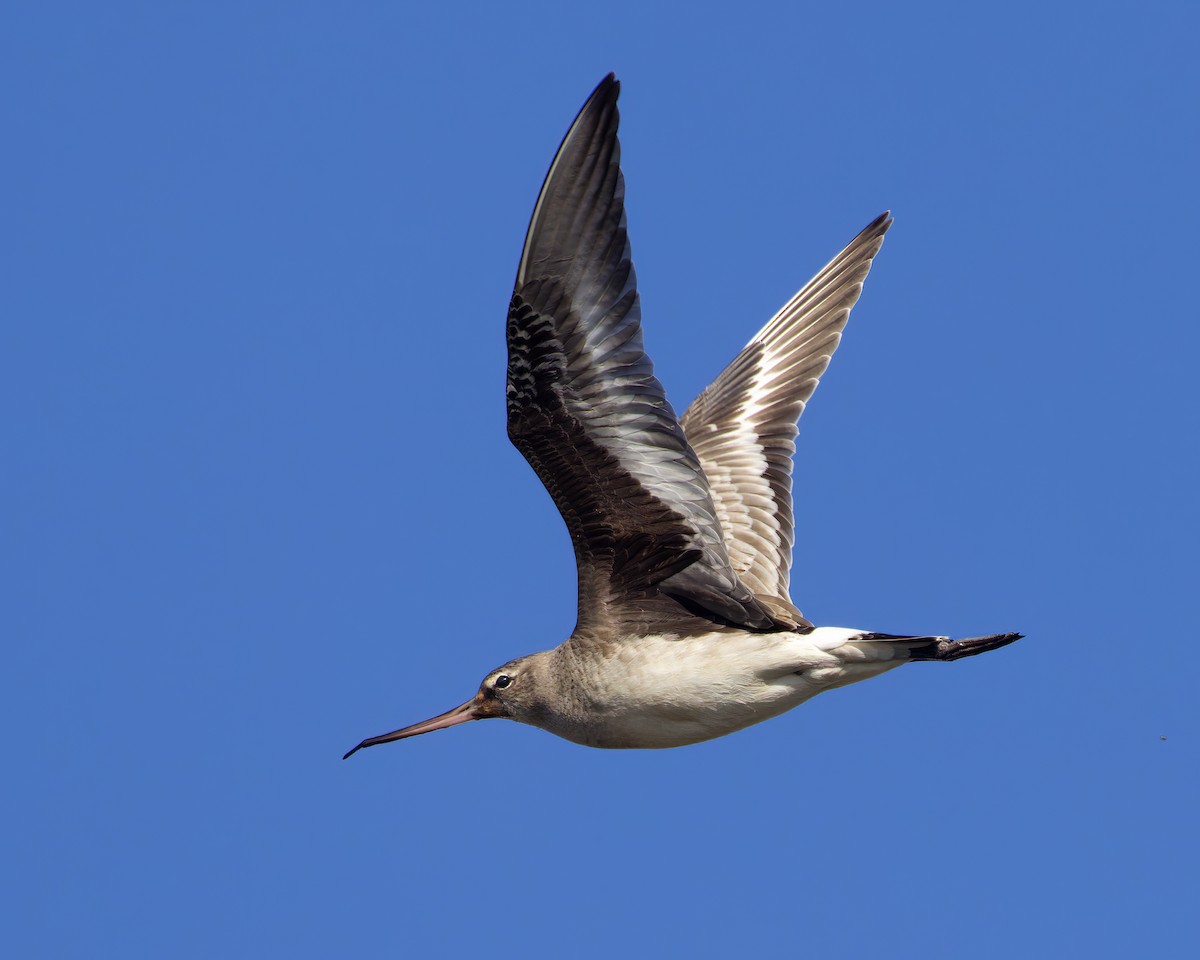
(947, 650)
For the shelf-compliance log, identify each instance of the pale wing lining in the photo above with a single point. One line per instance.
(743, 426)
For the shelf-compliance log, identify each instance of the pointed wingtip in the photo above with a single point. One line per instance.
(875, 229)
(347, 756)
(610, 86)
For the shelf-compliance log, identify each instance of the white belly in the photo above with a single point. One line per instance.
(662, 692)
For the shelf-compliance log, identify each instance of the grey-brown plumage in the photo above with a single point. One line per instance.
(682, 531)
(587, 412)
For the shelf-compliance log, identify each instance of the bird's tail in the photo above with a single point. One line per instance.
(943, 648)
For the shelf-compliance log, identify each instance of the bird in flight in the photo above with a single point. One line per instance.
(682, 526)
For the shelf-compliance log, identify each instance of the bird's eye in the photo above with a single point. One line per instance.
(502, 681)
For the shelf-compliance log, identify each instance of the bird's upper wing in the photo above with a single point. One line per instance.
(587, 412)
(743, 426)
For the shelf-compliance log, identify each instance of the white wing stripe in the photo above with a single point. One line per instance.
(742, 427)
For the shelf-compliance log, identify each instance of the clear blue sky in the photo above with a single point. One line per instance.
(258, 502)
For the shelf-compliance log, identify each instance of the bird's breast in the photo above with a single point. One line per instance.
(666, 691)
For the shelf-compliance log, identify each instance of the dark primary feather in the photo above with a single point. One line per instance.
(587, 412)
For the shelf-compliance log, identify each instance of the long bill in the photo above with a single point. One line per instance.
(461, 714)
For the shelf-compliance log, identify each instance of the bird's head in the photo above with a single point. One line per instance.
(509, 691)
